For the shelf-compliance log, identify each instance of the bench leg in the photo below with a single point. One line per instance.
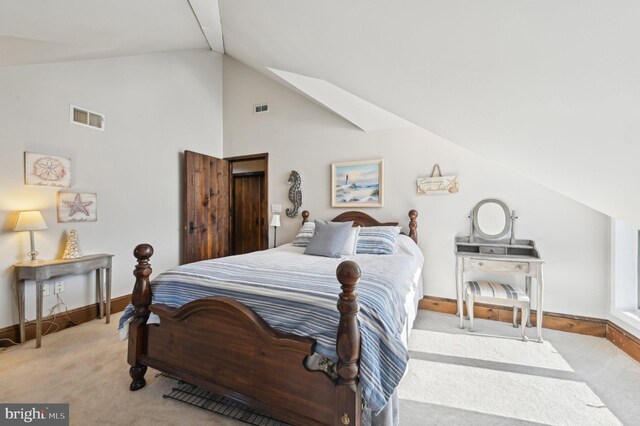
(515, 316)
(470, 310)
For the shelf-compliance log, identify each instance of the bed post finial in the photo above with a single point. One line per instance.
(141, 296)
(305, 216)
(140, 299)
(413, 225)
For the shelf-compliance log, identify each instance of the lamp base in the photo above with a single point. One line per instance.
(33, 254)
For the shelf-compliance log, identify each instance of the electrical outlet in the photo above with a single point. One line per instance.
(45, 290)
(59, 287)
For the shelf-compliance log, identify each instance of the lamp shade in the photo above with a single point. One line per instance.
(30, 221)
(275, 220)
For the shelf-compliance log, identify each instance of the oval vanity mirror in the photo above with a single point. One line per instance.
(491, 219)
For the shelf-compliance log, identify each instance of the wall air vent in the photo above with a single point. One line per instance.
(259, 109)
(87, 118)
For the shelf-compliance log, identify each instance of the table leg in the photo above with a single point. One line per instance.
(21, 312)
(108, 294)
(38, 313)
(540, 281)
(523, 312)
(528, 290)
(459, 279)
(99, 293)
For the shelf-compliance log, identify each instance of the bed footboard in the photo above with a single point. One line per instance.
(222, 345)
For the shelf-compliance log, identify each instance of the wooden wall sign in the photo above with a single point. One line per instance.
(438, 184)
(47, 170)
(77, 207)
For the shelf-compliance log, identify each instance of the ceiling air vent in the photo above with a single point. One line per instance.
(259, 109)
(87, 118)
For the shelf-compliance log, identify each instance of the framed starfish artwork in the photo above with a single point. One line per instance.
(77, 207)
(47, 170)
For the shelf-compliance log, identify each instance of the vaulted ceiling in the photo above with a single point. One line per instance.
(547, 88)
(38, 31)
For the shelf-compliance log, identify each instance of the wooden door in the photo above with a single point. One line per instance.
(250, 232)
(207, 207)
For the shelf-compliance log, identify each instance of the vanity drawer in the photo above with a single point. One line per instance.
(493, 250)
(495, 265)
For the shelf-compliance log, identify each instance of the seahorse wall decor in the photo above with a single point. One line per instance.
(295, 193)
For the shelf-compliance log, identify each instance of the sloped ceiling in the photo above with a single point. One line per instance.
(363, 114)
(38, 31)
(548, 88)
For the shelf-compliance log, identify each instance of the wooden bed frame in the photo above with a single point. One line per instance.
(221, 345)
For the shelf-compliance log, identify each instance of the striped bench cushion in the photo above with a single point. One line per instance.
(496, 290)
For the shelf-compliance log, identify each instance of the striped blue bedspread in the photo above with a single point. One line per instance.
(297, 294)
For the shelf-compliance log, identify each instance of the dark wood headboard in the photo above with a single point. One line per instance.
(363, 219)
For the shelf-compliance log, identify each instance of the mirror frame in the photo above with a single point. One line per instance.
(507, 219)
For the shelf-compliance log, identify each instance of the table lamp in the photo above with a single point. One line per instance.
(275, 222)
(31, 221)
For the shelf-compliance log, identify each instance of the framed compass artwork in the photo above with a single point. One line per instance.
(77, 207)
(47, 170)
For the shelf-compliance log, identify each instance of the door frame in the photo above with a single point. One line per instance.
(265, 224)
(240, 158)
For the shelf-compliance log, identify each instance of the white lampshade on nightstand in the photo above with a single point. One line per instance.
(275, 222)
(31, 221)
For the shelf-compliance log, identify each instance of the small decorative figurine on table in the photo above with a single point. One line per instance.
(72, 249)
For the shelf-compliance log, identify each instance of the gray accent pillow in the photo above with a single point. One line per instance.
(329, 238)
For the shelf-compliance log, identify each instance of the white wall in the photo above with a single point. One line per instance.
(547, 88)
(624, 267)
(156, 106)
(300, 135)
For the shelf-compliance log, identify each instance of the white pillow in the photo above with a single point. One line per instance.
(352, 241)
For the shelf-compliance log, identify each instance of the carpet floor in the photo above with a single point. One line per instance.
(455, 378)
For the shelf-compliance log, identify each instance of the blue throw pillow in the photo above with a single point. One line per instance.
(377, 240)
(329, 238)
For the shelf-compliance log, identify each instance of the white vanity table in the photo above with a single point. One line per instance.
(486, 249)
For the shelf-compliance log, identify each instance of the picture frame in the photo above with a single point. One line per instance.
(77, 207)
(357, 184)
(47, 170)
